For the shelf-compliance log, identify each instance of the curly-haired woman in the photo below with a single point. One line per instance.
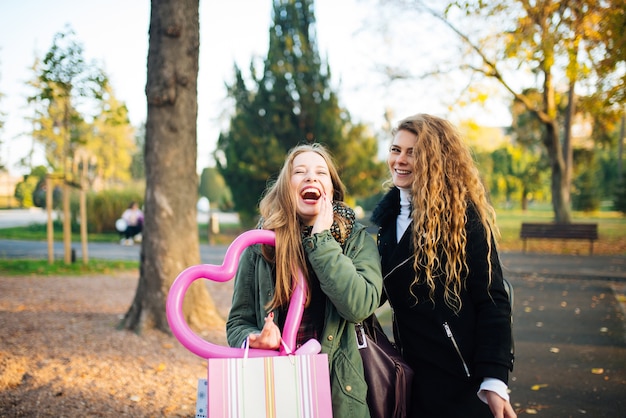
(442, 275)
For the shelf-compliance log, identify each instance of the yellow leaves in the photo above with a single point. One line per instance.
(597, 370)
(539, 386)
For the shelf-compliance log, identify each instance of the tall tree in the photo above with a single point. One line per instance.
(170, 237)
(290, 102)
(64, 79)
(528, 160)
(137, 165)
(555, 41)
(213, 187)
(76, 116)
(63, 82)
(112, 140)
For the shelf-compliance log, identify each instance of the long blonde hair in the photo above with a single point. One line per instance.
(278, 212)
(446, 180)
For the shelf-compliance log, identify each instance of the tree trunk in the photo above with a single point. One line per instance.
(568, 151)
(170, 233)
(620, 147)
(524, 199)
(559, 185)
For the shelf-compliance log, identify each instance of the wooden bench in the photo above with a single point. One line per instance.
(560, 231)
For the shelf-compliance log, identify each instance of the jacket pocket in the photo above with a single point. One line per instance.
(450, 336)
(348, 380)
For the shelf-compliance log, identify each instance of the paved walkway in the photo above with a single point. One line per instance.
(607, 267)
(514, 263)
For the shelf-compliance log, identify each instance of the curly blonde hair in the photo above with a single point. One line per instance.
(278, 213)
(446, 181)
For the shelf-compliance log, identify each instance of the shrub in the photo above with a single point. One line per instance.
(104, 208)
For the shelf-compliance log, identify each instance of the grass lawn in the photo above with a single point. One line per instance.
(28, 267)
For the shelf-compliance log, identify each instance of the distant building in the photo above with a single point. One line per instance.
(7, 189)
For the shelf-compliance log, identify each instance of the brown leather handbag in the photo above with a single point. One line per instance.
(388, 376)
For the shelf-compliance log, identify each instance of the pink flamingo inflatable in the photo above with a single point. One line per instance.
(223, 273)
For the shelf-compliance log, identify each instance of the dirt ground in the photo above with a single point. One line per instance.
(61, 356)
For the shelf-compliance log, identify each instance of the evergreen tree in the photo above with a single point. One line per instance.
(213, 187)
(291, 102)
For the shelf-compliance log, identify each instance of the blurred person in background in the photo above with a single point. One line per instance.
(133, 218)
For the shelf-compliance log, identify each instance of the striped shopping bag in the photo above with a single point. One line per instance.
(277, 387)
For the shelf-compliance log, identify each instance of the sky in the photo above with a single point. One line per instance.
(114, 34)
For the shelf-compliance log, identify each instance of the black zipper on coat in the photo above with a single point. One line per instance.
(446, 327)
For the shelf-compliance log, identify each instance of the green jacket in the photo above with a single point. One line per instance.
(352, 282)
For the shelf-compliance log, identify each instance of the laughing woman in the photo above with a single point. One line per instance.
(316, 233)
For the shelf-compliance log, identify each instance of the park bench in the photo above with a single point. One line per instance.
(560, 231)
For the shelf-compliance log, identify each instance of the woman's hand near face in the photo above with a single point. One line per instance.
(269, 338)
(324, 219)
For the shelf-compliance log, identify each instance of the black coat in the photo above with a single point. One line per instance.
(446, 379)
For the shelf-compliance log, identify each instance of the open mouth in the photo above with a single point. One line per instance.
(310, 194)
